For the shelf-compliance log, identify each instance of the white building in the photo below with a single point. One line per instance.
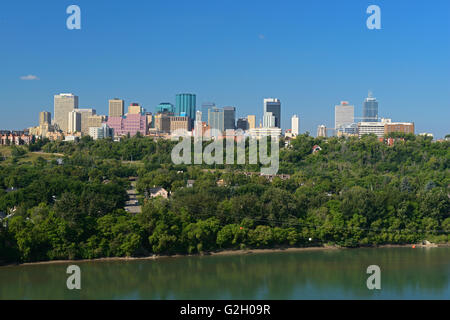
(268, 120)
(321, 131)
(377, 128)
(101, 132)
(295, 126)
(264, 132)
(74, 122)
(344, 115)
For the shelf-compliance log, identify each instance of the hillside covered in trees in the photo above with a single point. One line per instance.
(354, 192)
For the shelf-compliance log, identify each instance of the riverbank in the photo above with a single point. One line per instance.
(228, 253)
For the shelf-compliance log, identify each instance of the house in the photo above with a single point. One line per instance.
(158, 192)
(316, 148)
(190, 183)
(221, 183)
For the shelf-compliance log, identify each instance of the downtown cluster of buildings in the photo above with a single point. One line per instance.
(71, 122)
(346, 124)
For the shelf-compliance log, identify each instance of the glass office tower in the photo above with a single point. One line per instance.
(229, 118)
(273, 106)
(205, 107)
(185, 102)
(370, 109)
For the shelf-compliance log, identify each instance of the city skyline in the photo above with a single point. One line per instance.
(405, 63)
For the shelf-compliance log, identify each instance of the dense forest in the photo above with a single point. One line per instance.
(353, 192)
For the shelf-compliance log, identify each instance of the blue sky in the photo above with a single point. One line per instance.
(309, 54)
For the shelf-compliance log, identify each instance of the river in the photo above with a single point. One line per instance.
(406, 273)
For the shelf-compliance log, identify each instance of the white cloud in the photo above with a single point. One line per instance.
(29, 77)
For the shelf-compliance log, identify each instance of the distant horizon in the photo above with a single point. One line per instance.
(198, 108)
(309, 54)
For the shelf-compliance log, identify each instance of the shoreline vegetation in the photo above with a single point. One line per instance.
(350, 192)
(231, 252)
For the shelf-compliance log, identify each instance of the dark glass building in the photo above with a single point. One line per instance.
(242, 123)
(274, 106)
(229, 118)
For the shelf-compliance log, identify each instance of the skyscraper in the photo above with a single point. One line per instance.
(242, 124)
(45, 117)
(251, 121)
(370, 109)
(269, 120)
(85, 115)
(73, 122)
(229, 118)
(344, 115)
(165, 107)
(295, 126)
(205, 107)
(216, 118)
(185, 102)
(116, 107)
(274, 106)
(63, 104)
(135, 108)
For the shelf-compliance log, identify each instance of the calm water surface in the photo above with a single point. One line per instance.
(406, 273)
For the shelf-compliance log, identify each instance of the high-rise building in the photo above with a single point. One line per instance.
(63, 104)
(216, 119)
(229, 118)
(251, 121)
(344, 115)
(162, 122)
(274, 106)
(45, 117)
(135, 108)
(185, 102)
(321, 131)
(150, 120)
(95, 121)
(73, 122)
(116, 107)
(129, 124)
(370, 109)
(205, 107)
(295, 126)
(198, 116)
(269, 120)
(180, 123)
(165, 107)
(85, 115)
(242, 124)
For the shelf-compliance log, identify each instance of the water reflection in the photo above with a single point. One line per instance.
(335, 274)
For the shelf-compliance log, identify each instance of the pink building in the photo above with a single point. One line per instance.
(14, 139)
(131, 123)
